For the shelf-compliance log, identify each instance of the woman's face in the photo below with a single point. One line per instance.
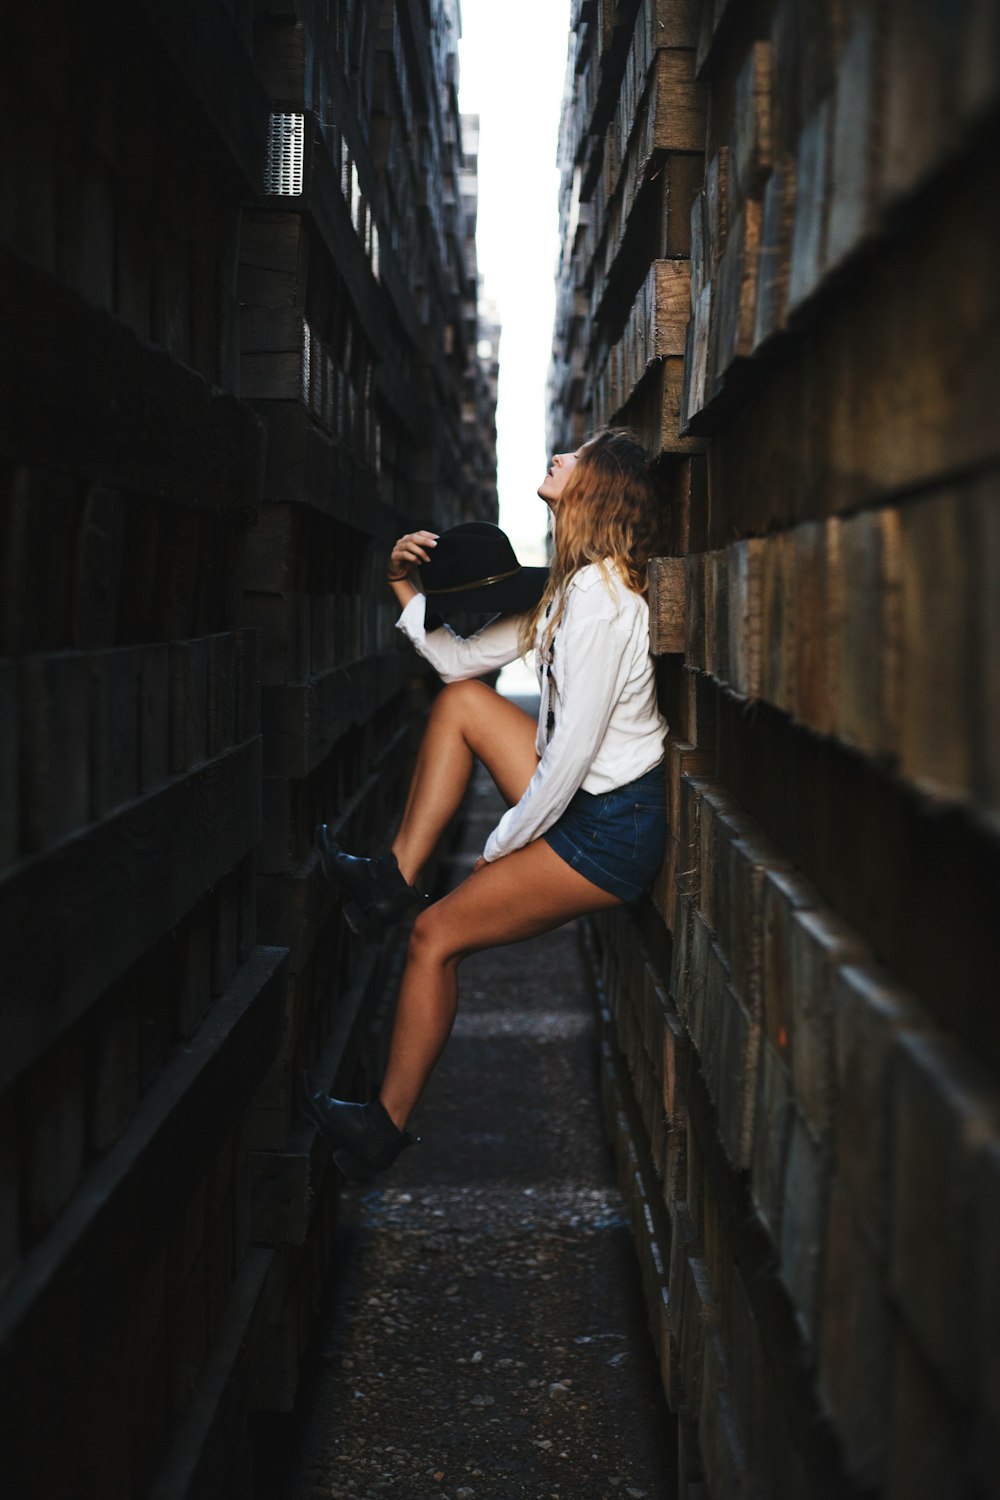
(558, 472)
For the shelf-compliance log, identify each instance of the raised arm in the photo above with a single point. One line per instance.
(407, 554)
(452, 656)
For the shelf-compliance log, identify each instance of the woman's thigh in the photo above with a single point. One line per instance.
(498, 733)
(526, 893)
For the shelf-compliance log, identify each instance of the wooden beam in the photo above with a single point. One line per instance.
(303, 720)
(209, 55)
(82, 1277)
(127, 415)
(74, 918)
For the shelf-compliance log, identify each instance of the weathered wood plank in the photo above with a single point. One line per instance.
(779, 577)
(940, 683)
(818, 612)
(75, 918)
(304, 720)
(734, 298)
(55, 1135)
(305, 467)
(207, 52)
(856, 1316)
(819, 943)
(666, 594)
(777, 214)
(804, 1225)
(9, 763)
(751, 133)
(939, 1113)
(866, 441)
(869, 1012)
(868, 647)
(133, 1196)
(812, 169)
(130, 417)
(55, 749)
(203, 1456)
(856, 140)
(99, 556)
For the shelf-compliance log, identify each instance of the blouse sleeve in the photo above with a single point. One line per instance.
(454, 657)
(591, 668)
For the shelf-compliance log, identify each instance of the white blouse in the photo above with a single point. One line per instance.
(607, 727)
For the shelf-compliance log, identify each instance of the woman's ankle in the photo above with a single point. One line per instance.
(407, 868)
(397, 1113)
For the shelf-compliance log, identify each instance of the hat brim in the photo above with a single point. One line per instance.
(509, 596)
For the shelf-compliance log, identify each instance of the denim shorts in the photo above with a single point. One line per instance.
(616, 839)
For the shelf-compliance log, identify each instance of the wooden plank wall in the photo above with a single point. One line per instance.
(225, 392)
(780, 239)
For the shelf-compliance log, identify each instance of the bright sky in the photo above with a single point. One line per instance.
(512, 61)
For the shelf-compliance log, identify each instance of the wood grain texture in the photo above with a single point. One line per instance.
(666, 596)
(869, 644)
(812, 167)
(856, 141)
(777, 209)
(751, 133)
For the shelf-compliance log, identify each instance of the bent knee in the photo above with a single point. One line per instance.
(430, 938)
(460, 698)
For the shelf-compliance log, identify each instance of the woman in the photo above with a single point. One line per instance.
(585, 828)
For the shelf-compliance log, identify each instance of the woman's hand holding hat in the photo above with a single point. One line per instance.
(408, 553)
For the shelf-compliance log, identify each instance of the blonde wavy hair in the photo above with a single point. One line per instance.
(610, 514)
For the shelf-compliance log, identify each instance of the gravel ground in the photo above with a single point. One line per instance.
(489, 1339)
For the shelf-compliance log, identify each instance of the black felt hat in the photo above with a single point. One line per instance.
(474, 568)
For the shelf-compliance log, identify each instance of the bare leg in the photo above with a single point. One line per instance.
(468, 719)
(526, 893)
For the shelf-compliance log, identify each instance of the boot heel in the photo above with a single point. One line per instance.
(353, 1169)
(360, 924)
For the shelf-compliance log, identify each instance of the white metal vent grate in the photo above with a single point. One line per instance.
(285, 147)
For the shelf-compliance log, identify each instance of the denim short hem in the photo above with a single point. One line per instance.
(615, 839)
(588, 867)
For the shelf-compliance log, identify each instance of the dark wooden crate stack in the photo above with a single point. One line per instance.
(358, 291)
(222, 400)
(802, 1053)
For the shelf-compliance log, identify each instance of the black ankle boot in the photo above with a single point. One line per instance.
(366, 1138)
(378, 894)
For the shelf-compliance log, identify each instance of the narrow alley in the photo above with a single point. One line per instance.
(489, 1337)
(708, 1200)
